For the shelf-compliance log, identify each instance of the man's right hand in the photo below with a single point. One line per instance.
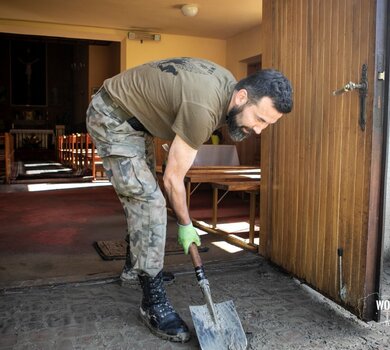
(186, 236)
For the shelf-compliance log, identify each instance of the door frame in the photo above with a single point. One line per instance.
(384, 36)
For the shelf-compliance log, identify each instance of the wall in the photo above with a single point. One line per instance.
(239, 50)
(242, 47)
(102, 63)
(173, 46)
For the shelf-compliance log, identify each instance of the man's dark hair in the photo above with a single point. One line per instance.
(270, 83)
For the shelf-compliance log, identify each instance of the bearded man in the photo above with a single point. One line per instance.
(183, 100)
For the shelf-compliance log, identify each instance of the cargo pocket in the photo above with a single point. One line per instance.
(144, 175)
(131, 177)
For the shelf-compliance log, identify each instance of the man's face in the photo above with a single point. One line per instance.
(245, 119)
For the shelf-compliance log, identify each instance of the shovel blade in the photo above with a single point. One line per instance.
(226, 333)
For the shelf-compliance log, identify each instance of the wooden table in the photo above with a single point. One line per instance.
(212, 175)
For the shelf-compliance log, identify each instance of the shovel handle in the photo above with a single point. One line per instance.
(196, 260)
(198, 265)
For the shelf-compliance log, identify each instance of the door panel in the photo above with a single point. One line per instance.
(316, 162)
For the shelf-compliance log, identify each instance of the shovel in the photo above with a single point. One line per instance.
(217, 326)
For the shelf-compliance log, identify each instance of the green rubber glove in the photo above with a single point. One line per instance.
(186, 236)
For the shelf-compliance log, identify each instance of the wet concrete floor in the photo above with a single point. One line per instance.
(276, 312)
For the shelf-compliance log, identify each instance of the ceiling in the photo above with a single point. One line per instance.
(219, 19)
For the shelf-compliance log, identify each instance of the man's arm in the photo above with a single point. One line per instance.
(180, 158)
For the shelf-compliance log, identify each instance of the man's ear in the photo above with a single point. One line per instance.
(241, 97)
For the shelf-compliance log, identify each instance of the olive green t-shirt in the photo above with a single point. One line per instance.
(184, 96)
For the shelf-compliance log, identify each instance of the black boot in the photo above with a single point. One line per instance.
(157, 312)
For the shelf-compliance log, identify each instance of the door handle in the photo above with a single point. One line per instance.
(348, 87)
(362, 86)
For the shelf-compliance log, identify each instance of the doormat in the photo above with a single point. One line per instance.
(116, 250)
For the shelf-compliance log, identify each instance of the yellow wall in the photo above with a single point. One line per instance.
(173, 46)
(103, 64)
(242, 47)
(239, 49)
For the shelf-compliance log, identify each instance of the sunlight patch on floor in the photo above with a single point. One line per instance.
(230, 248)
(44, 171)
(241, 226)
(65, 186)
(231, 227)
(34, 165)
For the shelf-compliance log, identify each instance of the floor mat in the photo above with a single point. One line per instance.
(116, 249)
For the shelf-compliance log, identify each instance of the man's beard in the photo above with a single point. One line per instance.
(237, 133)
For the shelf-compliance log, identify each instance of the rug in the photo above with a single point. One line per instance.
(116, 249)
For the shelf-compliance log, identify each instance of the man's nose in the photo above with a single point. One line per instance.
(258, 129)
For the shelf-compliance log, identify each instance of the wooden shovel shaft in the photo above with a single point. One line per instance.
(196, 260)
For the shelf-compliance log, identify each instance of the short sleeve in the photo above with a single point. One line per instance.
(194, 123)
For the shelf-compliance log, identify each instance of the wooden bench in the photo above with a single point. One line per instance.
(251, 187)
(78, 152)
(93, 161)
(66, 150)
(60, 149)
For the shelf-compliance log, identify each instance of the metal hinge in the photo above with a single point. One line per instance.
(381, 75)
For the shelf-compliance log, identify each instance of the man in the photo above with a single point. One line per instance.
(184, 100)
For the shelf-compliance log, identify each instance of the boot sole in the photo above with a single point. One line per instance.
(178, 338)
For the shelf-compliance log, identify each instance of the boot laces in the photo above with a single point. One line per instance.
(160, 302)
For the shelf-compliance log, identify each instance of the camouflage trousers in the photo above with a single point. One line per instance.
(129, 162)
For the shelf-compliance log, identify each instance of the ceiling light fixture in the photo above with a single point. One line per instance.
(189, 10)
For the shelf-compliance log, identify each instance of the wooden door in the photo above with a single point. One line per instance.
(319, 189)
